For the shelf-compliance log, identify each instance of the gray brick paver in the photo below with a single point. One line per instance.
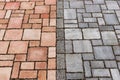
(88, 45)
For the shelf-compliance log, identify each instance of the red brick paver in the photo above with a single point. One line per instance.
(28, 39)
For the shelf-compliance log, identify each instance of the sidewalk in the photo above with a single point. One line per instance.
(88, 40)
(59, 40)
(28, 40)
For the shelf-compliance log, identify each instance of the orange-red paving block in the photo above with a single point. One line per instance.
(28, 39)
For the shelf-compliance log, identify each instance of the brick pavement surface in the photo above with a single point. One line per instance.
(28, 40)
(88, 40)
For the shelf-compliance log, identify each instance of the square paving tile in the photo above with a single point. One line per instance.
(37, 54)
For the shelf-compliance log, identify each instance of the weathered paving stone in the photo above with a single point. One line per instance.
(85, 15)
(91, 34)
(115, 74)
(82, 46)
(93, 8)
(70, 25)
(116, 50)
(109, 38)
(68, 47)
(97, 64)
(112, 5)
(103, 52)
(76, 4)
(69, 14)
(101, 72)
(60, 34)
(80, 18)
(93, 25)
(90, 20)
(111, 64)
(101, 21)
(73, 34)
(96, 42)
(74, 63)
(111, 19)
(83, 25)
(66, 4)
(87, 69)
(98, 1)
(88, 56)
(59, 23)
(70, 21)
(60, 61)
(75, 76)
(61, 75)
(60, 46)
(106, 28)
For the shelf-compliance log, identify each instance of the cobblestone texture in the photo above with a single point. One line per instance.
(88, 39)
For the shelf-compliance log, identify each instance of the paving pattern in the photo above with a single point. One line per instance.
(88, 40)
(27, 39)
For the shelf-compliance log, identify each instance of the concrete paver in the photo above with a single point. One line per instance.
(97, 40)
(27, 39)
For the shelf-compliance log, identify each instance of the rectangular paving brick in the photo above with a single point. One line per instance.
(74, 63)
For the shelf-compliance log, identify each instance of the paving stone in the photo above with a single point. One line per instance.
(80, 18)
(111, 64)
(91, 34)
(73, 34)
(69, 14)
(93, 8)
(61, 75)
(103, 52)
(101, 72)
(93, 25)
(112, 4)
(90, 20)
(82, 46)
(118, 13)
(60, 47)
(66, 4)
(97, 14)
(76, 4)
(83, 25)
(60, 34)
(85, 15)
(75, 76)
(117, 27)
(68, 47)
(60, 61)
(97, 42)
(106, 28)
(101, 21)
(59, 23)
(88, 56)
(115, 74)
(109, 38)
(74, 63)
(60, 13)
(98, 1)
(116, 50)
(70, 25)
(70, 21)
(87, 69)
(97, 64)
(88, 2)
(110, 19)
